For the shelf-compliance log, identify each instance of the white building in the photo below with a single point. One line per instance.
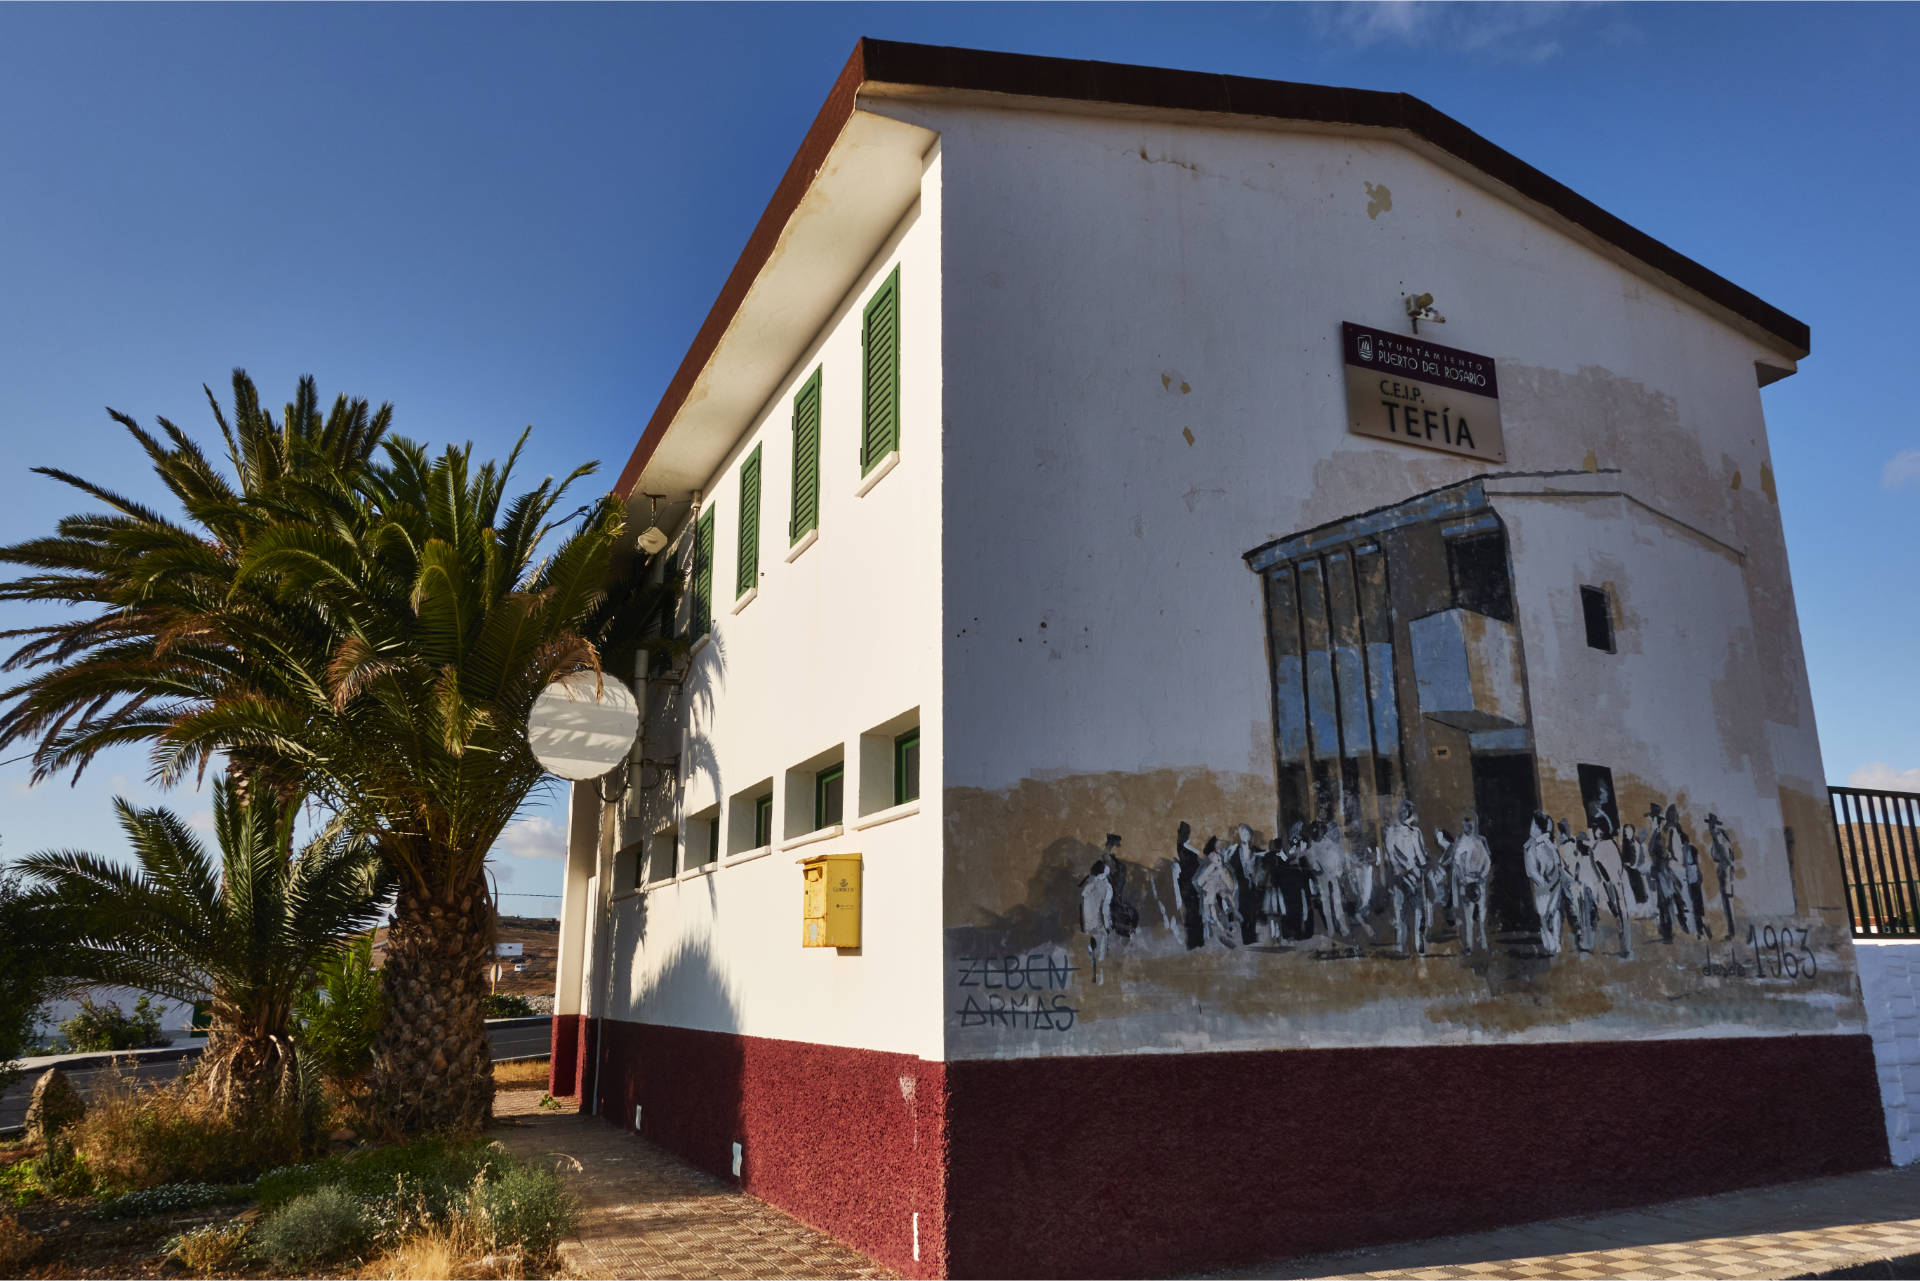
(1105, 376)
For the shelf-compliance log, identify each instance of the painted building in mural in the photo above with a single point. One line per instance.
(1288, 606)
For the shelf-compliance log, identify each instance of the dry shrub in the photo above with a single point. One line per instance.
(17, 1246)
(215, 1248)
(141, 1137)
(528, 1074)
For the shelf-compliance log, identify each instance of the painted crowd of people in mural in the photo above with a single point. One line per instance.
(1407, 891)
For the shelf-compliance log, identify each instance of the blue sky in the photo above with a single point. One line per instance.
(500, 216)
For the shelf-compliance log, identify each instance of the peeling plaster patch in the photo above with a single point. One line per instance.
(1590, 462)
(1188, 433)
(1736, 479)
(1766, 483)
(1194, 497)
(1185, 388)
(1379, 200)
(1166, 381)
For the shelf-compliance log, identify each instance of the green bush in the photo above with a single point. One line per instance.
(108, 1027)
(55, 1174)
(322, 1226)
(335, 1022)
(438, 1169)
(526, 1207)
(500, 1005)
(474, 1189)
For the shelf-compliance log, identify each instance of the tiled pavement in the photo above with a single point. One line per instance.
(1788, 1230)
(649, 1214)
(646, 1213)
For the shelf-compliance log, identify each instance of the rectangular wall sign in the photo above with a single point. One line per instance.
(1420, 393)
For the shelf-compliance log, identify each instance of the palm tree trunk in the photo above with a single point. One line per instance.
(253, 1079)
(431, 1065)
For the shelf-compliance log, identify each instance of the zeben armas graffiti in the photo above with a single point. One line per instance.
(1410, 885)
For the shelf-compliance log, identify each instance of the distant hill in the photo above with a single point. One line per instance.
(539, 939)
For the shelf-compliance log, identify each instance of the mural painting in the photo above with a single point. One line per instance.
(1410, 885)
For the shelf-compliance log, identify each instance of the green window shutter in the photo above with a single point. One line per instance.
(703, 575)
(806, 460)
(749, 558)
(880, 375)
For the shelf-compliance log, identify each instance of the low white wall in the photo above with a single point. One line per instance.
(1890, 982)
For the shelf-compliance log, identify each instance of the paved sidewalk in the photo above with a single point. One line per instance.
(1815, 1228)
(647, 1213)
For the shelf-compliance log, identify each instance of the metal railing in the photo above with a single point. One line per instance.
(1879, 838)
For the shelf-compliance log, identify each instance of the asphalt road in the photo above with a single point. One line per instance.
(509, 1039)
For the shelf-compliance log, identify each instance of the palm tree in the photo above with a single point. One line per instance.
(448, 622)
(166, 628)
(367, 627)
(249, 928)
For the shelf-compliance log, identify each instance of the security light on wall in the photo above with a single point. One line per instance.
(1419, 308)
(652, 539)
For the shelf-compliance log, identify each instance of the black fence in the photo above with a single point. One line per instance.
(1879, 838)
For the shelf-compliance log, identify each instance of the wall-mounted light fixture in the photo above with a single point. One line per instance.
(652, 539)
(1419, 308)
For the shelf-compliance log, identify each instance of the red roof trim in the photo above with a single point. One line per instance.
(937, 67)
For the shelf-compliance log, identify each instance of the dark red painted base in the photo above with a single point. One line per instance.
(852, 1142)
(1131, 1165)
(563, 1071)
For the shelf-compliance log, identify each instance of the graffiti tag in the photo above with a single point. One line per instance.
(1039, 979)
(1034, 972)
(1028, 1013)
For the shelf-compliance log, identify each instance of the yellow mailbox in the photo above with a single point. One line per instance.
(830, 901)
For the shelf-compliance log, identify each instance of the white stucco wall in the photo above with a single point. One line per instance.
(1113, 285)
(838, 641)
(1890, 982)
(1144, 381)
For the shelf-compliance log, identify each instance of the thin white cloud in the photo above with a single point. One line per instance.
(1504, 31)
(1902, 469)
(1885, 778)
(536, 837)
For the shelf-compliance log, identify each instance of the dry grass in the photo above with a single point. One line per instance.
(528, 1074)
(441, 1253)
(137, 1136)
(17, 1246)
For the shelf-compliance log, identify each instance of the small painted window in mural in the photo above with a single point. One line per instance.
(1598, 612)
(1477, 564)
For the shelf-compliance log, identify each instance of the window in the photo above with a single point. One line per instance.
(906, 767)
(1477, 564)
(816, 789)
(748, 567)
(702, 606)
(829, 791)
(880, 374)
(763, 821)
(1599, 615)
(713, 838)
(750, 818)
(890, 763)
(806, 461)
(663, 851)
